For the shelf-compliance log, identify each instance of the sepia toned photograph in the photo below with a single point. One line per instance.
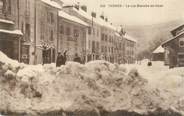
(91, 57)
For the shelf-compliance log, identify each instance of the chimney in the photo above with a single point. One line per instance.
(77, 7)
(84, 8)
(93, 14)
(102, 17)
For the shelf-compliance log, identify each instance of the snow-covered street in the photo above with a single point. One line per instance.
(97, 88)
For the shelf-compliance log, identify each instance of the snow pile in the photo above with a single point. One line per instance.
(97, 88)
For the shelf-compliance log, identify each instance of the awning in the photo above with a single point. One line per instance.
(6, 21)
(12, 32)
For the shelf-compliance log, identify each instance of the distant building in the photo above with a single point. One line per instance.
(10, 35)
(109, 41)
(174, 48)
(118, 45)
(130, 49)
(158, 54)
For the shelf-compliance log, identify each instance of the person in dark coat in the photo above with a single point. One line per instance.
(64, 58)
(149, 63)
(61, 59)
(77, 58)
(44, 55)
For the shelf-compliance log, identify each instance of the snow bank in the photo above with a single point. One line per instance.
(97, 88)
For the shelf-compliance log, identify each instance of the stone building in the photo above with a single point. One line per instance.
(38, 22)
(10, 35)
(119, 44)
(93, 33)
(46, 33)
(112, 44)
(72, 35)
(108, 41)
(130, 49)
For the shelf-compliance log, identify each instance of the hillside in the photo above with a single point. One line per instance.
(145, 34)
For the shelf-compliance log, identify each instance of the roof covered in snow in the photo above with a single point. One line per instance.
(96, 20)
(52, 3)
(6, 21)
(106, 24)
(117, 34)
(172, 39)
(160, 49)
(16, 32)
(128, 37)
(68, 2)
(72, 18)
(84, 14)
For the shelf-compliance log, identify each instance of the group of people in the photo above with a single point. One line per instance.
(62, 58)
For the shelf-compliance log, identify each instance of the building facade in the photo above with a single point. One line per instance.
(93, 32)
(46, 26)
(10, 35)
(130, 49)
(72, 36)
(174, 48)
(110, 40)
(38, 22)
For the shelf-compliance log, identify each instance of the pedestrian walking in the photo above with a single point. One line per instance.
(77, 58)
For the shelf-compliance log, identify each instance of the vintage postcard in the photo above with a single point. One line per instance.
(91, 57)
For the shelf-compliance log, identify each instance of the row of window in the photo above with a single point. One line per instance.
(5, 6)
(68, 31)
(94, 45)
(130, 44)
(51, 35)
(93, 31)
(107, 49)
(110, 39)
(130, 52)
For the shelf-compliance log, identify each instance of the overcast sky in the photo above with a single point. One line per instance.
(171, 10)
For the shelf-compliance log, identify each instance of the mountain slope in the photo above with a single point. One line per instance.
(149, 33)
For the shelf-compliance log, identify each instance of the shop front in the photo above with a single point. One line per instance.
(10, 43)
